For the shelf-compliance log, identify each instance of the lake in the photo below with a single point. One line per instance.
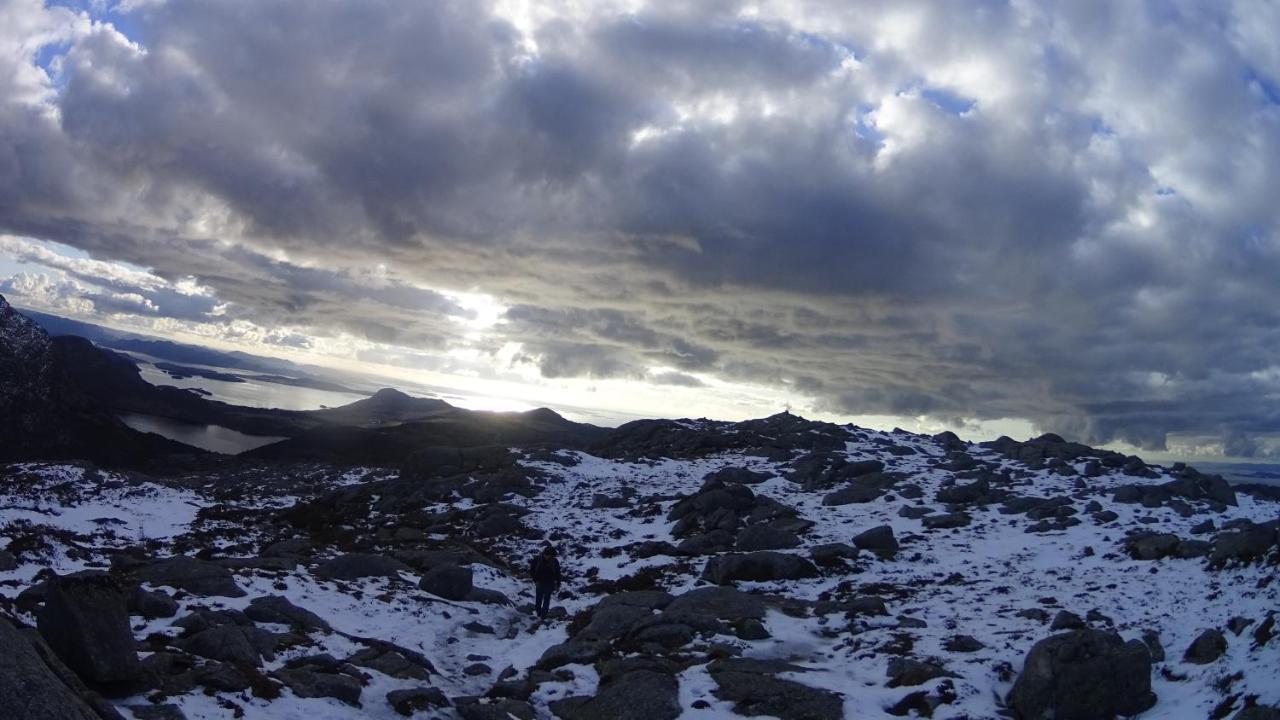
(213, 438)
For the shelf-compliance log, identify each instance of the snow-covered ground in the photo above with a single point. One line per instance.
(971, 580)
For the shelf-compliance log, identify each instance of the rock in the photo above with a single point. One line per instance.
(905, 672)
(637, 695)
(759, 566)
(222, 676)
(7, 561)
(354, 566)
(289, 548)
(1245, 545)
(832, 554)
(309, 684)
(914, 513)
(1084, 675)
(451, 582)
(393, 660)
(197, 577)
(1066, 620)
(1208, 647)
(408, 702)
(764, 537)
(754, 689)
(29, 688)
(946, 521)
(152, 605)
(85, 622)
(879, 540)
(723, 603)
(1153, 546)
(1204, 527)
(854, 493)
(1152, 640)
(277, 609)
(963, 644)
(229, 643)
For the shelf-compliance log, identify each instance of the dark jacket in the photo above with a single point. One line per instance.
(545, 570)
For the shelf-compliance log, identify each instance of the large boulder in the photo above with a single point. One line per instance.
(85, 621)
(197, 577)
(879, 540)
(1083, 675)
(277, 609)
(29, 688)
(638, 695)
(761, 566)
(765, 537)
(354, 566)
(723, 603)
(1206, 648)
(754, 689)
(451, 582)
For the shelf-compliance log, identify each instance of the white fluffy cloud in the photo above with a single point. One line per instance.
(1057, 212)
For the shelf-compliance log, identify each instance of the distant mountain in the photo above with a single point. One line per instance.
(447, 427)
(45, 414)
(385, 407)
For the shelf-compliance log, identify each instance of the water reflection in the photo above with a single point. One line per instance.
(213, 438)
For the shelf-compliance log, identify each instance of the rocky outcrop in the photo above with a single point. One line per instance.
(85, 621)
(1083, 675)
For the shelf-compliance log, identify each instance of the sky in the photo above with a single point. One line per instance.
(978, 215)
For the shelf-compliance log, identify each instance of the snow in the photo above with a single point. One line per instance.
(970, 580)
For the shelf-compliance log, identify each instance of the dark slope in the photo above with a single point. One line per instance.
(385, 407)
(45, 413)
(450, 427)
(114, 382)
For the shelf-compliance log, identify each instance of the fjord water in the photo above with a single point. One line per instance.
(213, 438)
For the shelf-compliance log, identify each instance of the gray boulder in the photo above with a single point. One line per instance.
(759, 566)
(879, 540)
(29, 688)
(152, 605)
(408, 702)
(309, 684)
(354, 566)
(754, 689)
(451, 582)
(1208, 647)
(85, 621)
(723, 603)
(278, 610)
(764, 537)
(637, 695)
(1083, 675)
(197, 577)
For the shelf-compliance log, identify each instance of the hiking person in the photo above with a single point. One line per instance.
(545, 570)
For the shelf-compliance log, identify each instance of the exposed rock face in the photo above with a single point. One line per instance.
(1083, 675)
(45, 415)
(29, 688)
(879, 540)
(758, 566)
(277, 609)
(1206, 648)
(754, 688)
(197, 577)
(637, 695)
(85, 621)
(451, 582)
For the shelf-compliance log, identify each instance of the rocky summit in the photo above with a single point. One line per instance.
(707, 574)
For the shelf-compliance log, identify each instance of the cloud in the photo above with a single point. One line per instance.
(1062, 213)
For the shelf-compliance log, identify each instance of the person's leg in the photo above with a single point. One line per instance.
(542, 599)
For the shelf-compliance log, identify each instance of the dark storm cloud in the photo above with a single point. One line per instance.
(1062, 213)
